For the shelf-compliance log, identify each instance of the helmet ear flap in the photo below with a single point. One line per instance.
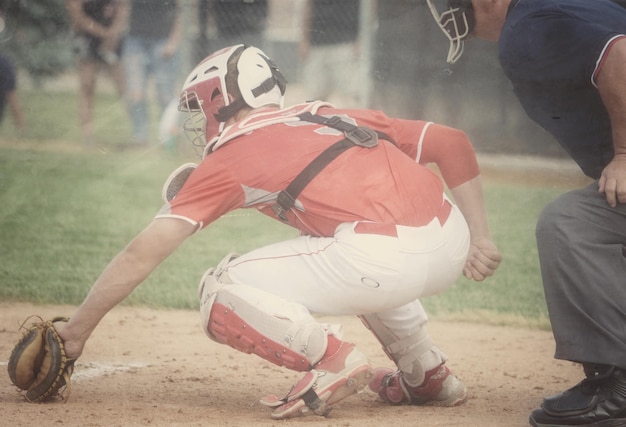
(260, 81)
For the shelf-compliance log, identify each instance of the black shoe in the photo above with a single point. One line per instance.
(599, 401)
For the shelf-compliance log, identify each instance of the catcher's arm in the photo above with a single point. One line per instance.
(452, 151)
(484, 257)
(129, 268)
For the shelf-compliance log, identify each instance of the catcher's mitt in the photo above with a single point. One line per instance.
(38, 363)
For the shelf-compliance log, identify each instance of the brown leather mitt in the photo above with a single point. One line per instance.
(38, 364)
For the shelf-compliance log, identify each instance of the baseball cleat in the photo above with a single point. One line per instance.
(334, 378)
(440, 388)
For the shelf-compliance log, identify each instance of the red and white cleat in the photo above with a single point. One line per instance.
(440, 388)
(343, 373)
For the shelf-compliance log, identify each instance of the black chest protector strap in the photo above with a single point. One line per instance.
(360, 136)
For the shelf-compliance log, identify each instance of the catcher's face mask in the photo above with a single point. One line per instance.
(204, 94)
(457, 23)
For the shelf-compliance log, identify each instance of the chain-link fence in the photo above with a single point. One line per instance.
(395, 60)
(397, 65)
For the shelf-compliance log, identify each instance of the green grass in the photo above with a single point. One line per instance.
(514, 294)
(54, 116)
(64, 215)
(65, 211)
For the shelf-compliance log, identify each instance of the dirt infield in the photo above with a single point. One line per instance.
(153, 367)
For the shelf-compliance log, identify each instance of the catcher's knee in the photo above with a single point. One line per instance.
(212, 281)
(214, 277)
(254, 321)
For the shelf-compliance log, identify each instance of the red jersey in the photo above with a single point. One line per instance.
(259, 156)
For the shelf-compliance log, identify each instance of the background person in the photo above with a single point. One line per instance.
(151, 50)
(372, 243)
(99, 27)
(330, 51)
(8, 94)
(238, 22)
(566, 60)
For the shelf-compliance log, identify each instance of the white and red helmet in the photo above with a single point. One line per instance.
(456, 22)
(206, 97)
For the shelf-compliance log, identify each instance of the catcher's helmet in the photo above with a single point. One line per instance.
(222, 84)
(457, 23)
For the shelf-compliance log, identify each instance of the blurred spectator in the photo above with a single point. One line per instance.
(330, 50)
(238, 22)
(8, 93)
(151, 49)
(99, 27)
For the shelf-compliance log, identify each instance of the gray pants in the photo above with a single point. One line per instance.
(583, 264)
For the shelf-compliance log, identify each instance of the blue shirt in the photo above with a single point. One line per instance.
(550, 50)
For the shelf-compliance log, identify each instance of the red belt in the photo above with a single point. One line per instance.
(385, 229)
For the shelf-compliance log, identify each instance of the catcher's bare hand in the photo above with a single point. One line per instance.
(73, 347)
(482, 261)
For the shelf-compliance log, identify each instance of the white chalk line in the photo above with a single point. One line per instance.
(95, 370)
(91, 370)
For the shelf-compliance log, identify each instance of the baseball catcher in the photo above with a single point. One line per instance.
(38, 363)
(377, 232)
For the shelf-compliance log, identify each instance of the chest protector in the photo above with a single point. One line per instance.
(354, 136)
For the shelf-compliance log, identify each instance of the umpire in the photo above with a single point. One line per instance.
(566, 60)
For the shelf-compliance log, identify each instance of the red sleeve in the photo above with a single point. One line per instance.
(210, 192)
(451, 150)
(426, 142)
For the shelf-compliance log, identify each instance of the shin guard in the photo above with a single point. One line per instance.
(254, 321)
